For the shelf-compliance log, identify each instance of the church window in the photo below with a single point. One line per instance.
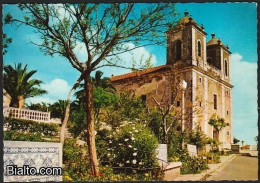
(227, 132)
(199, 49)
(227, 93)
(178, 50)
(200, 80)
(215, 101)
(227, 112)
(200, 104)
(226, 68)
(178, 104)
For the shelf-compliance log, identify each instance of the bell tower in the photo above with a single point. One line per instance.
(218, 56)
(186, 42)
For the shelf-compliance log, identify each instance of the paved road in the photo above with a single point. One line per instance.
(240, 168)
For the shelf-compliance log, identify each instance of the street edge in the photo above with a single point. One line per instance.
(217, 167)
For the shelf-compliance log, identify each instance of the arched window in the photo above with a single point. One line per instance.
(178, 50)
(199, 49)
(226, 68)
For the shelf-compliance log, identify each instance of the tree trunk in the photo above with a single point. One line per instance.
(90, 127)
(67, 110)
(14, 103)
(165, 131)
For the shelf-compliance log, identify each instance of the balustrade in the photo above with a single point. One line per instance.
(26, 114)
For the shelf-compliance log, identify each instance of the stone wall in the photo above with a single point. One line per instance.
(33, 154)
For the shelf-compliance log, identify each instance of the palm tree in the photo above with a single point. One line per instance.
(58, 109)
(18, 84)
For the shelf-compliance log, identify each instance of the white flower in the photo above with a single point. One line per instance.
(131, 132)
(134, 154)
(135, 149)
(121, 165)
(134, 161)
(140, 163)
(127, 161)
(132, 138)
(126, 140)
(136, 130)
(114, 155)
(110, 136)
(120, 144)
(108, 154)
(130, 146)
(110, 141)
(133, 128)
(108, 149)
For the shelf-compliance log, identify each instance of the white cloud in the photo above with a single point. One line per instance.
(126, 60)
(35, 100)
(58, 89)
(245, 117)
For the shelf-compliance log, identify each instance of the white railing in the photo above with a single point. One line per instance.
(26, 114)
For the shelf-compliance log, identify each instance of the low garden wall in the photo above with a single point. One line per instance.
(32, 154)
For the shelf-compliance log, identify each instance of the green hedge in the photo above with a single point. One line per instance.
(26, 126)
(18, 136)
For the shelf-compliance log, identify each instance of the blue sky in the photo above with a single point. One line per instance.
(234, 23)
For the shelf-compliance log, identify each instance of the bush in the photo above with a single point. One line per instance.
(18, 136)
(77, 167)
(21, 125)
(213, 157)
(71, 174)
(190, 165)
(71, 152)
(132, 145)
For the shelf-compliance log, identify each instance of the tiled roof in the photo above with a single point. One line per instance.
(137, 73)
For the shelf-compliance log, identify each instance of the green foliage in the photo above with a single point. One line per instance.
(78, 120)
(38, 106)
(235, 140)
(131, 145)
(27, 126)
(77, 167)
(175, 144)
(217, 122)
(190, 165)
(19, 85)
(71, 152)
(19, 136)
(58, 109)
(214, 143)
(128, 107)
(198, 138)
(74, 173)
(154, 120)
(102, 98)
(213, 158)
(6, 42)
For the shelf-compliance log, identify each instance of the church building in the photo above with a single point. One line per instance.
(204, 66)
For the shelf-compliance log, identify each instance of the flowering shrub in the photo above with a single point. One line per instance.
(131, 145)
